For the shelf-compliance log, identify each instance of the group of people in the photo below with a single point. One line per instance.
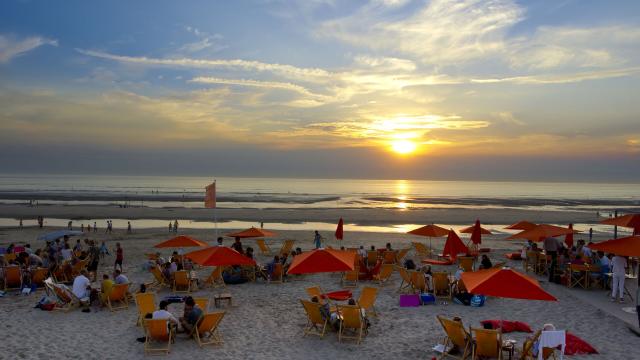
(186, 323)
(173, 226)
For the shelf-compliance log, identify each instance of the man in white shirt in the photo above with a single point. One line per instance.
(162, 313)
(82, 286)
(618, 268)
(67, 253)
(120, 278)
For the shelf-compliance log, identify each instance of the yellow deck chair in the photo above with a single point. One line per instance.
(401, 254)
(421, 250)
(12, 278)
(527, 347)
(350, 278)
(367, 299)
(385, 273)
(159, 281)
(60, 275)
(531, 261)
(38, 276)
(277, 274)
(441, 286)
(351, 321)
(455, 334)
(181, 281)
(466, 262)
(203, 303)
(389, 257)
(215, 279)
(264, 248)
(146, 303)
(372, 257)
(578, 275)
(78, 267)
(66, 300)
(418, 282)
(206, 333)
(286, 247)
(117, 298)
(487, 344)
(157, 336)
(316, 324)
(315, 291)
(406, 279)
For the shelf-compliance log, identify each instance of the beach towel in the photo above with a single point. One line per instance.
(437, 262)
(577, 346)
(339, 295)
(514, 256)
(507, 326)
(409, 300)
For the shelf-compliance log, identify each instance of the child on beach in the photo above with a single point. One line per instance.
(103, 250)
(119, 257)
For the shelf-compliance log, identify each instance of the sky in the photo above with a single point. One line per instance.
(440, 89)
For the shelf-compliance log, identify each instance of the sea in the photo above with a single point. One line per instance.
(294, 193)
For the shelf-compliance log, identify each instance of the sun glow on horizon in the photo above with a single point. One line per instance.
(403, 147)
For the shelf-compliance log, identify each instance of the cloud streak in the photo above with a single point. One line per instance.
(10, 47)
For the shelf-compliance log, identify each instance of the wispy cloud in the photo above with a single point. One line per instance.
(206, 41)
(12, 47)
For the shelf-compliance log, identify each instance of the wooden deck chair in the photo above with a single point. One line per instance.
(367, 299)
(202, 302)
(277, 275)
(117, 298)
(466, 262)
(317, 292)
(487, 344)
(418, 282)
(401, 254)
(421, 250)
(159, 281)
(455, 334)
(527, 346)
(215, 278)
(406, 279)
(350, 278)
(286, 247)
(38, 276)
(158, 336)
(577, 276)
(146, 304)
(12, 278)
(181, 281)
(385, 273)
(78, 267)
(441, 286)
(389, 257)
(316, 323)
(66, 300)
(352, 320)
(543, 262)
(372, 257)
(264, 248)
(206, 333)
(531, 261)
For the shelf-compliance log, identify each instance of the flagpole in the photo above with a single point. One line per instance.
(215, 214)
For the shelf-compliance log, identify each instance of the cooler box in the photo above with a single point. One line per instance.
(427, 299)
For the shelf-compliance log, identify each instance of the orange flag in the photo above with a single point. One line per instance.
(210, 196)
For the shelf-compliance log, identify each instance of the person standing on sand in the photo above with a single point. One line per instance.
(129, 231)
(551, 248)
(175, 226)
(619, 270)
(20, 224)
(170, 226)
(317, 240)
(95, 227)
(119, 257)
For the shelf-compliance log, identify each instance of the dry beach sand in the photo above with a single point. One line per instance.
(266, 320)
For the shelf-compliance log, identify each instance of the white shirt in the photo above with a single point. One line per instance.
(80, 284)
(121, 279)
(67, 254)
(164, 314)
(586, 251)
(618, 265)
(173, 267)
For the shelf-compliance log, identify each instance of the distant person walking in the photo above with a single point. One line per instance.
(40, 221)
(175, 226)
(95, 227)
(317, 240)
(129, 227)
(20, 224)
(590, 234)
(119, 257)
(70, 225)
(170, 226)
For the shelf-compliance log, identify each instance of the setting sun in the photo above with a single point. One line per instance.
(403, 146)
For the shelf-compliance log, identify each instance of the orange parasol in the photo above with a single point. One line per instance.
(629, 220)
(219, 256)
(476, 232)
(568, 239)
(626, 246)
(521, 225)
(252, 232)
(430, 231)
(340, 230)
(322, 260)
(504, 283)
(541, 232)
(454, 246)
(180, 242)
